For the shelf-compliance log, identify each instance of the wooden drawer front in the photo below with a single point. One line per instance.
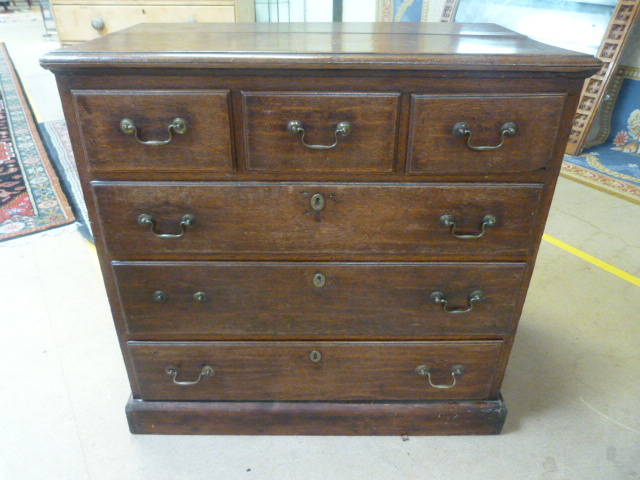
(323, 300)
(433, 147)
(205, 146)
(369, 148)
(74, 21)
(360, 220)
(285, 371)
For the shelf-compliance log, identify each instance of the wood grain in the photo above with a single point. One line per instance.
(206, 145)
(348, 371)
(361, 220)
(279, 300)
(485, 417)
(370, 148)
(433, 148)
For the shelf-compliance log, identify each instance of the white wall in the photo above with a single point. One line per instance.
(359, 10)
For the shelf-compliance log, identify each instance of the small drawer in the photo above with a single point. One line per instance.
(449, 134)
(186, 130)
(321, 300)
(299, 371)
(320, 132)
(421, 221)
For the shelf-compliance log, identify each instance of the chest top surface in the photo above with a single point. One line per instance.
(386, 46)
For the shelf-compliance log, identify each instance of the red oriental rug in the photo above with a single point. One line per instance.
(31, 199)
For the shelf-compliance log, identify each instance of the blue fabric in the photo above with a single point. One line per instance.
(413, 12)
(621, 152)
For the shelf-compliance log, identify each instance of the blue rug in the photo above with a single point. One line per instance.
(614, 166)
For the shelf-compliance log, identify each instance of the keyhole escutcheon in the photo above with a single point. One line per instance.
(317, 202)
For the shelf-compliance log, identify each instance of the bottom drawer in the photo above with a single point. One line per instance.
(330, 371)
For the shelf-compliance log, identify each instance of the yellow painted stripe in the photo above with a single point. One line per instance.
(593, 260)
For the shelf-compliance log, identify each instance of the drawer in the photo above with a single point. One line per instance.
(321, 300)
(366, 220)
(204, 146)
(435, 149)
(367, 145)
(75, 22)
(336, 371)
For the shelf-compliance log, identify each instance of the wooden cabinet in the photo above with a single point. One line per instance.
(81, 20)
(335, 238)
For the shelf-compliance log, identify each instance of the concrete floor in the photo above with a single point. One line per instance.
(572, 386)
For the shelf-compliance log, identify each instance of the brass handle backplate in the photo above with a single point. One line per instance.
(449, 221)
(295, 128)
(441, 299)
(173, 373)
(129, 127)
(462, 130)
(425, 371)
(147, 220)
(160, 296)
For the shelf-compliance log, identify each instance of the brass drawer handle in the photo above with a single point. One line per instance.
(441, 299)
(425, 371)
(147, 220)
(129, 127)
(462, 129)
(200, 297)
(449, 221)
(295, 128)
(173, 373)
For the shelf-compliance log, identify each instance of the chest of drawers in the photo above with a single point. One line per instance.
(316, 228)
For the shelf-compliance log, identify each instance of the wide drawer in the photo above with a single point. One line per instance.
(255, 219)
(118, 129)
(322, 300)
(336, 371)
(445, 128)
(275, 144)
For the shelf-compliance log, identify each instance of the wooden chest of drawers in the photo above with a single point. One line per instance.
(316, 228)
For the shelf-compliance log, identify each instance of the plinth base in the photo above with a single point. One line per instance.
(309, 418)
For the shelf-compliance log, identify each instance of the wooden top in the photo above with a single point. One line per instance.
(394, 46)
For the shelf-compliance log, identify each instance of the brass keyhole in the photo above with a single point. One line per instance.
(315, 356)
(319, 280)
(317, 202)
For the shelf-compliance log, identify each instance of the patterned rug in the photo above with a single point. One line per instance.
(55, 137)
(31, 199)
(614, 166)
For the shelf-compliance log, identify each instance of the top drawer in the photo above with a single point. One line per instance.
(165, 131)
(320, 132)
(462, 134)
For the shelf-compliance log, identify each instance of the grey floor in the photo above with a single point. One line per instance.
(572, 386)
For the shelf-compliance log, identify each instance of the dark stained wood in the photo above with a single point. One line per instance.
(377, 240)
(370, 148)
(206, 145)
(279, 300)
(485, 417)
(360, 220)
(324, 46)
(433, 148)
(347, 371)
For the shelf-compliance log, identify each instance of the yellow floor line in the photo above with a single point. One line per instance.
(593, 260)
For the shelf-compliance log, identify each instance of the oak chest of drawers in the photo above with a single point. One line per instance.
(316, 228)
